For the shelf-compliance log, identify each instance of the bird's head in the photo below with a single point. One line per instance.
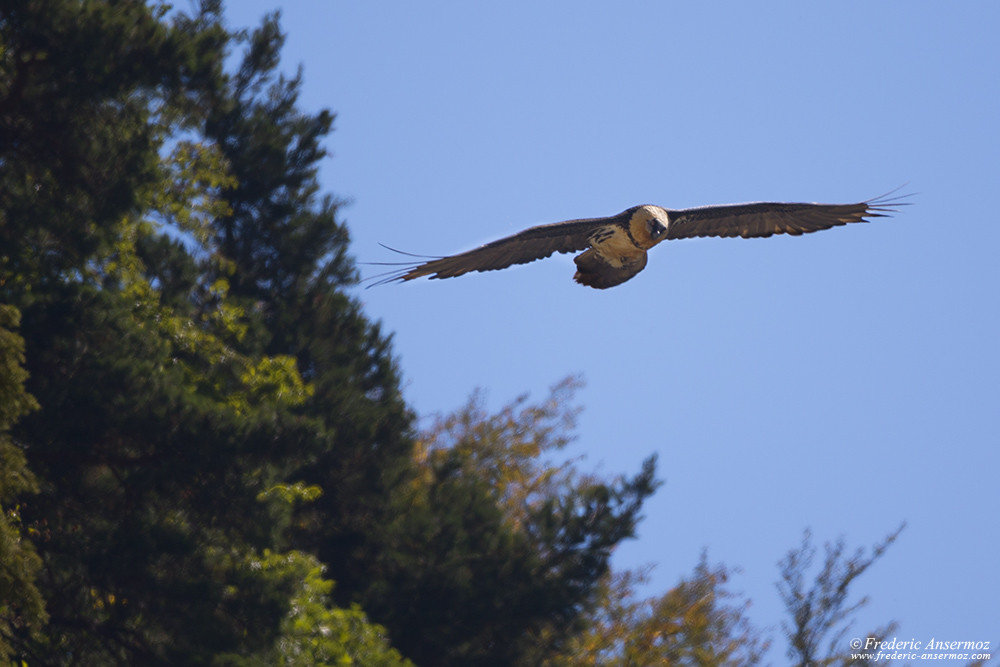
(648, 225)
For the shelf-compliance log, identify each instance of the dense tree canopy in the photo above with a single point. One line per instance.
(205, 456)
(21, 605)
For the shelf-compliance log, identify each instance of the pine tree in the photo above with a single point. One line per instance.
(75, 146)
(166, 436)
(288, 254)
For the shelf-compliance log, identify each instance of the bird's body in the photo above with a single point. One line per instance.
(615, 247)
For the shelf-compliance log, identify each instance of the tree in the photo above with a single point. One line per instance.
(154, 441)
(317, 633)
(286, 261)
(75, 145)
(699, 622)
(694, 623)
(499, 554)
(820, 613)
(164, 429)
(21, 605)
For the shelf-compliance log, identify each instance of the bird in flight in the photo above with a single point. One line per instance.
(614, 248)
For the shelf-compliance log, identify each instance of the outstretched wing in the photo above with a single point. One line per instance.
(526, 246)
(767, 218)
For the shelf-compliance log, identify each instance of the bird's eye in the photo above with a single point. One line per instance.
(656, 229)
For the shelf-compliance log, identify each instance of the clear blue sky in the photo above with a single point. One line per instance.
(844, 381)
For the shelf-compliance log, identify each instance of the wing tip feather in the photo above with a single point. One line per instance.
(885, 205)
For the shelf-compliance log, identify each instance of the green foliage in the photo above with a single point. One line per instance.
(157, 433)
(76, 145)
(21, 605)
(14, 401)
(313, 633)
(283, 253)
(175, 470)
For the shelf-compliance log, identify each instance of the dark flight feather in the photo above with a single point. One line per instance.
(763, 219)
(753, 220)
(526, 246)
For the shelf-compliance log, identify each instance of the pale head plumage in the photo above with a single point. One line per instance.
(648, 225)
